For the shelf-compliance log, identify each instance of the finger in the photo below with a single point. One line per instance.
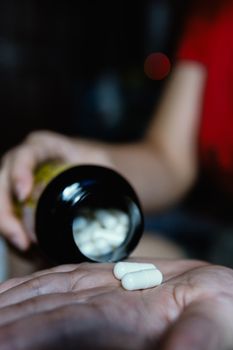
(70, 327)
(13, 282)
(34, 305)
(49, 302)
(95, 268)
(79, 279)
(10, 226)
(52, 283)
(38, 147)
(21, 169)
(201, 327)
(12, 229)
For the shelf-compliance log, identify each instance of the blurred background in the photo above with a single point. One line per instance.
(78, 68)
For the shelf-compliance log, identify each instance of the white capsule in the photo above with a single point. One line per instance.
(102, 246)
(100, 215)
(82, 237)
(142, 279)
(106, 218)
(99, 233)
(80, 223)
(91, 229)
(122, 268)
(88, 249)
(86, 234)
(94, 225)
(123, 218)
(113, 238)
(121, 230)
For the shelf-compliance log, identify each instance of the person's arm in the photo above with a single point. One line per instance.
(164, 165)
(161, 167)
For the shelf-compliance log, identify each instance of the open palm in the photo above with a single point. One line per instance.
(84, 307)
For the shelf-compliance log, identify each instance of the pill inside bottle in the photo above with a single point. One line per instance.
(99, 231)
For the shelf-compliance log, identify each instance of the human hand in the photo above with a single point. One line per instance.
(84, 306)
(16, 174)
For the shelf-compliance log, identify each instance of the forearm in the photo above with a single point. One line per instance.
(164, 166)
(157, 181)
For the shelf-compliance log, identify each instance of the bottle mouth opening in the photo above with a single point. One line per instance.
(103, 228)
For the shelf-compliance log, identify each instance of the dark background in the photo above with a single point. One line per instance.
(77, 66)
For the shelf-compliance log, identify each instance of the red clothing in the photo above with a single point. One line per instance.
(210, 41)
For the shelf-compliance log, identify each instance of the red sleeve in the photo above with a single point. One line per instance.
(194, 41)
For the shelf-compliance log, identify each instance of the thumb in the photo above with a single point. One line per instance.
(202, 326)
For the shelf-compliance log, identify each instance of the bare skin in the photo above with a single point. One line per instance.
(85, 307)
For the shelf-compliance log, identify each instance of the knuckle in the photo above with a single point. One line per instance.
(35, 286)
(79, 277)
(7, 156)
(83, 266)
(72, 281)
(38, 136)
(23, 155)
(32, 137)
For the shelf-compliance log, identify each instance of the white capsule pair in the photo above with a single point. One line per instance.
(135, 276)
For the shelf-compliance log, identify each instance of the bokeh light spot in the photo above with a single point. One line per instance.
(157, 66)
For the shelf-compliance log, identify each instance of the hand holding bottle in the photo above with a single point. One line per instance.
(17, 174)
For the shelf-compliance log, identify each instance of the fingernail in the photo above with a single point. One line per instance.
(20, 192)
(18, 243)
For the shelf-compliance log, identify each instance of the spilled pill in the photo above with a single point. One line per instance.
(142, 279)
(122, 268)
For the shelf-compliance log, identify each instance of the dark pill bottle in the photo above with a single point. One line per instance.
(84, 213)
